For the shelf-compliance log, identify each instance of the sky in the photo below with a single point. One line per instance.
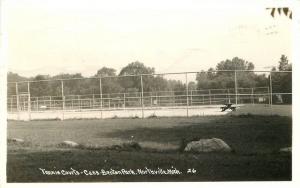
(81, 36)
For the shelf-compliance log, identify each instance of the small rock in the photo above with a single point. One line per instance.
(287, 149)
(15, 140)
(132, 146)
(68, 143)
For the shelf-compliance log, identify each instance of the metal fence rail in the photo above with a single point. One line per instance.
(134, 100)
(185, 98)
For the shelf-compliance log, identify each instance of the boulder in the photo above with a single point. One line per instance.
(68, 143)
(207, 145)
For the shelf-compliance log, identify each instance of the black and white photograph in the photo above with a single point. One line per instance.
(148, 91)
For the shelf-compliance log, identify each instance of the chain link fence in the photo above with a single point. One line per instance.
(147, 91)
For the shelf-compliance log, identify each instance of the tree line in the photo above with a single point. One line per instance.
(213, 78)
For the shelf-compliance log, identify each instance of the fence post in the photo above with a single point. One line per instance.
(37, 103)
(142, 95)
(124, 101)
(101, 100)
(29, 101)
(62, 94)
(191, 98)
(108, 96)
(235, 87)
(228, 96)
(187, 96)
(50, 102)
(157, 99)
(17, 95)
(11, 104)
(271, 92)
(209, 93)
(63, 98)
(252, 96)
(93, 103)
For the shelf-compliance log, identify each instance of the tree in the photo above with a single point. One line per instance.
(40, 88)
(284, 64)
(192, 86)
(104, 72)
(282, 81)
(74, 84)
(14, 77)
(109, 81)
(261, 80)
(11, 87)
(179, 88)
(219, 79)
(134, 82)
(136, 68)
(159, 84)
(205, 80)
(235, 64)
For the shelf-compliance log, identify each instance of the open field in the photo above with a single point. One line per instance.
(256, 141)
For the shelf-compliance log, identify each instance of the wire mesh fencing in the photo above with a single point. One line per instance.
(147, 91)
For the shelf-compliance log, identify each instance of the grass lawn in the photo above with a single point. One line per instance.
(254, 139)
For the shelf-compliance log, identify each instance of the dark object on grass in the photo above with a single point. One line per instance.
(228, 106)
(115, 147)
(115, 117)
(152, 116)
(129, 146)
(132, 146)
(135, 117)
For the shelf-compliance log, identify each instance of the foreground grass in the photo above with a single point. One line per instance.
(23, 166)
(255, 140)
